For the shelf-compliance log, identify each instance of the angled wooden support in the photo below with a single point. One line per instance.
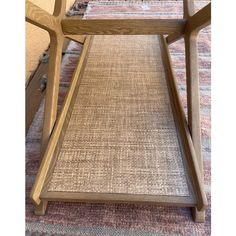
(51, 99)
(188, 145)
(47, 157)
(193, 102)
(52, 24)
(59, 11)
(36, 87)
(194, 24)
(199, 20)
(54, 71)
(36, 16)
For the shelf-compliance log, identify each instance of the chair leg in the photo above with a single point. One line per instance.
(52, 89)
(198, 216)
(41, 208)
(194, 107)
(193, 99)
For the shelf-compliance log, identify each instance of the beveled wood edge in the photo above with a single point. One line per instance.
(183, 130)
(48, 156)
(181, 201)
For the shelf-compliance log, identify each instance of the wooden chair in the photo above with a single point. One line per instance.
(59, 27)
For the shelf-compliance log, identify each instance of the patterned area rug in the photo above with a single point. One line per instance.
(123, 219)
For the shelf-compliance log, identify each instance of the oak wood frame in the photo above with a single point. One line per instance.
(36, 85)
(51, 23)
(189, 132)
(74, 25)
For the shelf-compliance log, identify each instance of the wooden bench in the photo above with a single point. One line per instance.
(176, 178)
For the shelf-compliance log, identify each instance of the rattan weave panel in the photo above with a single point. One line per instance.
(121, 137)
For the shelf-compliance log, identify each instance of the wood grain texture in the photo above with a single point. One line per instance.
(183, 130)
(33, 93)
(195, 22)
(193, 100)
(51, 98)
(122, 26)
(60, 28)
(193, 103)
(36, 16)
(40, 178)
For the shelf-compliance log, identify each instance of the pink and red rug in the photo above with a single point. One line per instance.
(124, 219)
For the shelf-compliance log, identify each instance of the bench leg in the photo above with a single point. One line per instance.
(41, 208)
(198, 216)
(194, 107)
